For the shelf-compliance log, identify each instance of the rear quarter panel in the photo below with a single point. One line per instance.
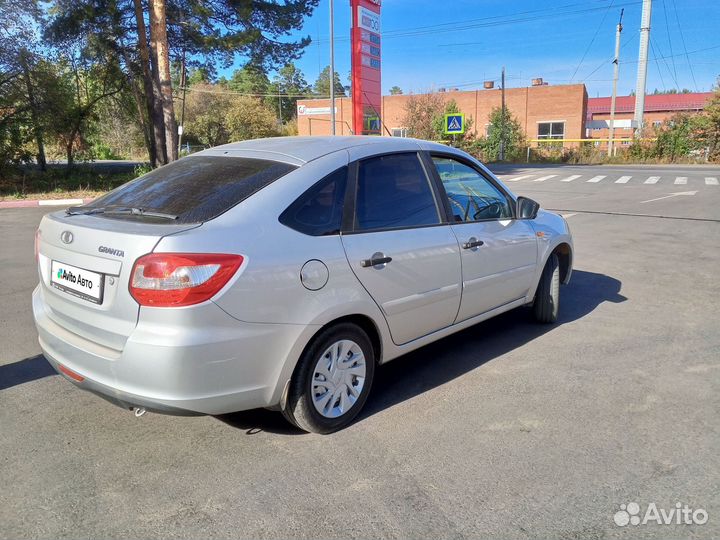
(268, 288)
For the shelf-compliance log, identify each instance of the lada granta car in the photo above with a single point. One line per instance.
(280, 272)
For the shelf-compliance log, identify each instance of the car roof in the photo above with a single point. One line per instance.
(299, 150)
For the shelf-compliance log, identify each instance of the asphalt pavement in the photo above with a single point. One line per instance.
(508, 429)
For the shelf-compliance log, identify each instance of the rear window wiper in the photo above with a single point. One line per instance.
(83, 211)
(139, 212)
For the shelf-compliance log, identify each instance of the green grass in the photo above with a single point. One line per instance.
(58, 183)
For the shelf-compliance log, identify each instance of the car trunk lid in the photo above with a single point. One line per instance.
(85, 263)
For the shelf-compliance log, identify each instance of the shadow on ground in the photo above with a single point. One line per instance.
(416, 372)
(452, 357)
(30, 369)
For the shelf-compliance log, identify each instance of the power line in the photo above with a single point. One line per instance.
(658, 64)
(609, 61)
(249, 94)
(487, 22)
(682, 38)
(680, 54)
(597, 30)
(667, 29)
(612, 58)
(664, 59)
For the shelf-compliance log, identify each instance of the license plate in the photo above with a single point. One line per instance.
(77, 281)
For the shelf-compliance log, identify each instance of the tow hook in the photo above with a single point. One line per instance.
(139, 411)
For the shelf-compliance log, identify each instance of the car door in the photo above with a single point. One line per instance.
(499, 252)
(400, 247)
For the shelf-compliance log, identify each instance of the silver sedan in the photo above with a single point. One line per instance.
(280, 272)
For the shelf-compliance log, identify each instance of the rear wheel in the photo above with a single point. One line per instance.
(332, 380)
(547, 297)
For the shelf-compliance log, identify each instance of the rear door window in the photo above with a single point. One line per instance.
(195, 189)
(393, 191)
(318, 211)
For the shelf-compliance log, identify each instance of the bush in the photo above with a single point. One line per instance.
(101, 150)
(214, 117)
(488, 148)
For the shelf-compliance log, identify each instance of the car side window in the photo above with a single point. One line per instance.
(318, 211)
(393, 191)
(472, 197)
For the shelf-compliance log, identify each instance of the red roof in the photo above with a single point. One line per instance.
(653, 103)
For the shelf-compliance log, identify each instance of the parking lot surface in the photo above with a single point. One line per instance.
(508, 429)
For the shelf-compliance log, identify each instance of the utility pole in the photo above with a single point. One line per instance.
(502, 110)
(616, 74)
(332, 68)
(642, 67)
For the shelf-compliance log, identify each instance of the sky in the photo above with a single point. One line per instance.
(431, 44)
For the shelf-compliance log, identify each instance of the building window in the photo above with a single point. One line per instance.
(551, 130)
(657, 123)
(399, 132)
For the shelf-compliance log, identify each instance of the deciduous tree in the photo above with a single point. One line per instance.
(421, 111)
(215, 117)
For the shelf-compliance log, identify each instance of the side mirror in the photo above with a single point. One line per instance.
(526, 208)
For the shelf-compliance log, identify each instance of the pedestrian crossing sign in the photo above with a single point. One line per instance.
(454, 124)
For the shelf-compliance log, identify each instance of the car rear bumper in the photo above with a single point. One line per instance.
(213, 365)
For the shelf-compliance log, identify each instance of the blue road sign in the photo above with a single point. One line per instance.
(454, 124)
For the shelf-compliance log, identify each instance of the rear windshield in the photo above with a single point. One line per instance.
(194, 189)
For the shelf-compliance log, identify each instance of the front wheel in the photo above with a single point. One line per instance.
(547, 297)
(332, 380)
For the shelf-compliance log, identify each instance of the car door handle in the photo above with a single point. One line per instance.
(375, 261)
(472, 243)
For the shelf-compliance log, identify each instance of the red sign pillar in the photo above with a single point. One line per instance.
(366, 91)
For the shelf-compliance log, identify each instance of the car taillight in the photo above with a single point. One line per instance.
(38, 235)
(180, 279)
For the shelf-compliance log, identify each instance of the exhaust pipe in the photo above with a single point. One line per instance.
(139, 411)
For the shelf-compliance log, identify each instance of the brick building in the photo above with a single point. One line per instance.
(658, 109)
(543, 111)
(558, 112)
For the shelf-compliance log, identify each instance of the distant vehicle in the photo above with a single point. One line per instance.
(279, 272)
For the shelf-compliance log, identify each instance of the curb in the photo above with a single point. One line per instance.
(43, 202)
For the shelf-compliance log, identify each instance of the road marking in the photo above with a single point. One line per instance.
(519, 178)
(671, 195)
(623, 180)
(596, 179)
(571, 214)
(543, 178)
(681, 180)
(60, 202)
(652, 180)
(571, 178)
(711, 181)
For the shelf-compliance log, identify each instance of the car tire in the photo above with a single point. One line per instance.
(547, 296)
(321, 396)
